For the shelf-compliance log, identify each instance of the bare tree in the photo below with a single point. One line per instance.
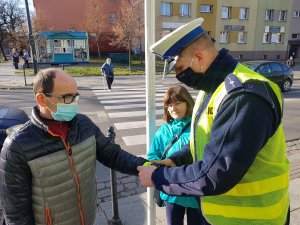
(128, 29)
(94, 21)
(12, 24)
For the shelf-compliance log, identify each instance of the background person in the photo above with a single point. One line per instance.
(290, 62)
(237, 142)
(15, 58)
(178, 108)
(26, 58)
(48, 166)
(108, 72)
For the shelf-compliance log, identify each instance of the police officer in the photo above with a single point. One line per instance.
(237, 145)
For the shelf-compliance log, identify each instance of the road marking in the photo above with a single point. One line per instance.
(135, 124)
(128, 95)
(131, 106)
(131, 114)
(135, 140)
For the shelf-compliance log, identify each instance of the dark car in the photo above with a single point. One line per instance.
(10, 117)
(274, 71)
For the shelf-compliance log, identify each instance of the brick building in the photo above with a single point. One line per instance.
(69, 15)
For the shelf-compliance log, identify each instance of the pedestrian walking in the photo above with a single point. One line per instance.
(48, 166)
(290, 62)
(240, 170)
(26, 58)
(178, 108)
(107, 70)
(15, 57)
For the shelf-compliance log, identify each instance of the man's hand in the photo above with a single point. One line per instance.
(145, 174)
(164, 162)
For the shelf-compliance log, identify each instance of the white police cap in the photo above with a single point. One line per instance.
(173, 43)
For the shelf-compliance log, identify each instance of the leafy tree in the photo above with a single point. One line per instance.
(128, 30)
(94, 21)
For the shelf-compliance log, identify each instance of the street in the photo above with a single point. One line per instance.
(125, 109)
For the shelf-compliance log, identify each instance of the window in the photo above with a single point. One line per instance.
(275, 67)
(296, 36)
(269, 14)
(62, 46)
(296, 14)
(225, 12)
(282, 15)
(112, 17)
(264, 69)
(244, 13)
(185, 10)
(224, 37)
(166, 9)
(242, 37)
(206, 8)
(208, 33)
(80, 52)
(276, 38)
(267, 38)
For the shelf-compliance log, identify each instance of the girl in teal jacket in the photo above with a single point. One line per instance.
(178, 107)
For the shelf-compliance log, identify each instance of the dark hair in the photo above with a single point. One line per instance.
(43, 81)
(175, 94)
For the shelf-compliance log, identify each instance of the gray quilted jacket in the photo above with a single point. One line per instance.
(46, 181)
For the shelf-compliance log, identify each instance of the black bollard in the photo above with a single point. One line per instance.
(115, 220)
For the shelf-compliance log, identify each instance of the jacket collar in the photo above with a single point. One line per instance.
(223, 65)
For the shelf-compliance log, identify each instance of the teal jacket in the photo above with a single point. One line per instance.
(162, 138)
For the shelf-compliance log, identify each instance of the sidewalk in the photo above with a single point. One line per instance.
(133, 201)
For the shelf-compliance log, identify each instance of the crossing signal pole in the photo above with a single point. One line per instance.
(31, 39)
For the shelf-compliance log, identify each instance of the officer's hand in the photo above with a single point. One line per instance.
(164, 162)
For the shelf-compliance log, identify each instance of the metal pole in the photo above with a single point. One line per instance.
(31, 39)
(149, 19)
(115, 220)
(24, 78)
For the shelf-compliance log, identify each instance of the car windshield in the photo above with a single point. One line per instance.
(252, 66)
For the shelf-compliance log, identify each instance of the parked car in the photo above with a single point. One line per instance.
(9, 119)
(275, 71)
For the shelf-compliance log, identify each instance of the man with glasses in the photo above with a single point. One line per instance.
(48, 166)
(240, 170)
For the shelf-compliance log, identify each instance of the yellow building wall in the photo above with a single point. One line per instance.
(210, 19)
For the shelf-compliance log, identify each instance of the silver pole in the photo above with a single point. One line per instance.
(150, 93)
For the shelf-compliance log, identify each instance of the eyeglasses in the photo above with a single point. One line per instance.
(68, 98)
(173, 105)
(170, 62)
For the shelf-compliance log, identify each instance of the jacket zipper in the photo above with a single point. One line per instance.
(69, 151)
(48, 216)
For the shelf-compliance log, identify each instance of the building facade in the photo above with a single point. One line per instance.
(69, 15)
(294, 31)
(255, 29)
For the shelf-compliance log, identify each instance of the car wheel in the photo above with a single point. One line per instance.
(286, 85)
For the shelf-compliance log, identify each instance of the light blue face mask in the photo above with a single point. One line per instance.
(65, 112)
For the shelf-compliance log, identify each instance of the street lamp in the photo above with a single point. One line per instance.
(31, 39)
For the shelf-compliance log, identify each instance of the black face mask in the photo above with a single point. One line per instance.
(190, 78)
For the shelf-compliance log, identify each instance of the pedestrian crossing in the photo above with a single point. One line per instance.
(125, 107)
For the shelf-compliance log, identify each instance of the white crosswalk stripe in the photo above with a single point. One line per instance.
(125, 107)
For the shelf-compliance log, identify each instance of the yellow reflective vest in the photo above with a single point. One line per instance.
(261, 196)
